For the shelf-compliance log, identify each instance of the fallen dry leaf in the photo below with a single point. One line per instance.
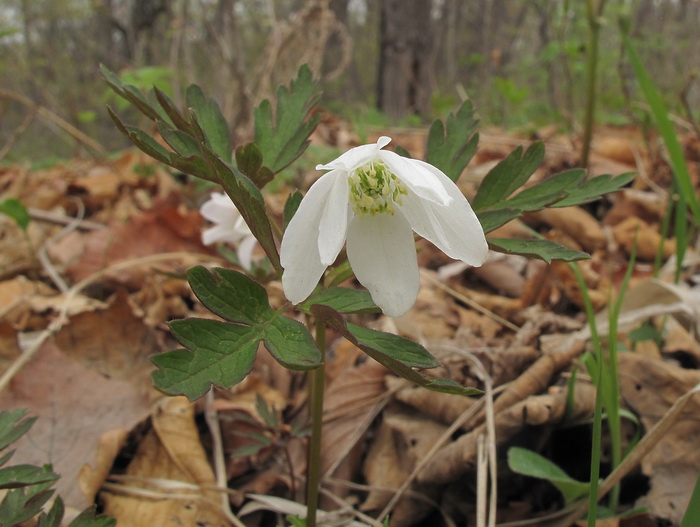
(172, 453)
(77, 407)
(650, 386)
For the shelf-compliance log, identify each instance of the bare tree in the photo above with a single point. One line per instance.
(406, 58)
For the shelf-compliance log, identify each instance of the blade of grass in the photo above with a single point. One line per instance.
(665, 127)
(611, 381)
(598, 411)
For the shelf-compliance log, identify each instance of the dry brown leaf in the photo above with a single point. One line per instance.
(15, 296)
(443, 407)
(403, 440)
(575, 223)
(351, 401)
(76, 407)
(112, 341)
(171, 451)
(167, 227)
(650, 386)
(634, 232)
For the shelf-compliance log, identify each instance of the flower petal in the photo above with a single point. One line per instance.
(453, 228)
(219, 208)
(356, 157)
(414, 174)
(245, 252)
(382, 254)
(299, 254)
(220, 233)
(334, 221)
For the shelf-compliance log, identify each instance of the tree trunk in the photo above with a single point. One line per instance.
(406, 58)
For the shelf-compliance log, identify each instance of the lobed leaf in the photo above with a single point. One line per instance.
(594, 188)
(222, 353)
(399, 354)
(230, 294)
(548, 191)
(13, 426)
(18, 476)
(546, 250)
(341, 299)
(451, 146)
(218, 353)
(508, 175)
(284, 138)
(211, 120)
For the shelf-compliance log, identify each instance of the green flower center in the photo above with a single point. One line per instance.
(375, 189)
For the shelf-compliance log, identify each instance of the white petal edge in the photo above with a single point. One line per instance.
(419, 180)
(356, 157)
(219, 209)
(382, 254)
(453, 228)
(299, 254)
(333, 227)
(220, 233)
(245, 252)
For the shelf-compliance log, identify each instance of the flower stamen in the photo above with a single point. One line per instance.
(375, 189)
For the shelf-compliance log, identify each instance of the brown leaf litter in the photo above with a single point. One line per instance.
(94, 310)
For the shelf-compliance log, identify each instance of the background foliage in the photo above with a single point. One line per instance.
(492, 51)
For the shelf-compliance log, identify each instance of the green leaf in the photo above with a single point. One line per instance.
(171, 110)
(692, 512)
(24, 475)
(17, 211)
(594, 188)
(291, 344)
(451, 147)
(90, 518)
(665, 127)
(291, 206)
(250, 203)
(508, 175)
(12, 426)
(341, 299)
(212, 122)
(284, 138)
(54, 516)
(20, 505)
(249, 161)
(221, 354)
(492, 219)
(185, 145)
(548, 191)
(532, 464)
(398, 354)
(546, 250)
(230, 294)
(147, 144)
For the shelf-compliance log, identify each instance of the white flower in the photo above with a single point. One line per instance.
(374, 199)
(229, 227)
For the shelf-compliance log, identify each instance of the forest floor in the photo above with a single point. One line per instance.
(86, 297)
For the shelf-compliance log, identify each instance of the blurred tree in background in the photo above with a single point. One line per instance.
(384, 62)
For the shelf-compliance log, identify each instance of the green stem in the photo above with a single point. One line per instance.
(598, 412)
(316, 388)
(594, 9)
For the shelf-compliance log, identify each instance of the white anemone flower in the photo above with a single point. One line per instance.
(374, 199)
(229, 227)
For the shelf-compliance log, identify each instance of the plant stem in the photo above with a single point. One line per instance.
(598, 412)
(594, 9)
(316, 388)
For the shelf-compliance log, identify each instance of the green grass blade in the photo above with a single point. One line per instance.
(665, 127)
